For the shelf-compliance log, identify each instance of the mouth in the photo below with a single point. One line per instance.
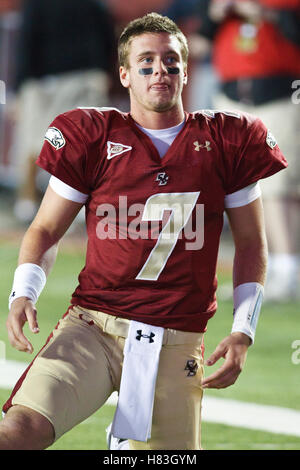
(159, 87)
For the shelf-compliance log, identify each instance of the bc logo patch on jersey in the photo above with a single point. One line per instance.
(55, 138)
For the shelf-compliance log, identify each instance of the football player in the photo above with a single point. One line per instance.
(155, 183)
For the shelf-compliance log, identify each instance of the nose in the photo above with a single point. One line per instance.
(159, 68)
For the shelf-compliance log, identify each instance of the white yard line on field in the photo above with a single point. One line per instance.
(267, 418)
(10, 372)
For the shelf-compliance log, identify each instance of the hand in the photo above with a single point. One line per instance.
(199, 46)
(234, 349)
(219, 9)
(22, 310)
(249, 10)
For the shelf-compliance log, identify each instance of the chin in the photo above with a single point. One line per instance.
(162, 107)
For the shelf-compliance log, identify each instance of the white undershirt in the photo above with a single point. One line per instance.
(162, 139)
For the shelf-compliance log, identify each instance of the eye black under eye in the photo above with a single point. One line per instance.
(173, 70)
(146, 71)
(149, 71)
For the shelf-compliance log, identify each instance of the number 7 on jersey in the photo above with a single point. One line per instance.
(181, 206)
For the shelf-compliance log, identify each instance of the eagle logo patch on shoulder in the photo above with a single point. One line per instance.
(271, 141)
(55, 137)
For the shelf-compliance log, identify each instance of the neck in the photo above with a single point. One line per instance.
(158, 120)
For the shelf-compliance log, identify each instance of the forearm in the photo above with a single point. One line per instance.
(251, 253)
(40, 242)
(249, 273)
(36, 258)
(250, 263)
(249, 267)
(38, 247)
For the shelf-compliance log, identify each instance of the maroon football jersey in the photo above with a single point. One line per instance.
(154, 223)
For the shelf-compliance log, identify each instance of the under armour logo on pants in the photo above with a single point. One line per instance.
(140, 335)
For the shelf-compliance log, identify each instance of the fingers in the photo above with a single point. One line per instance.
(31, 315)
(225, 376)
(21, 311)
(219, 352)
(215, 380)
(16, 337)
(234, 350)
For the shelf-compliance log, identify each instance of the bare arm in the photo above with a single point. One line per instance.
(247, 226)
(39, 246)
(248, 231)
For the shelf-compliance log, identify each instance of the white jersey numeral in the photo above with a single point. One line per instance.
(181, 206)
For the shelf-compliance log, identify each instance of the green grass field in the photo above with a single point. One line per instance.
(269, 377)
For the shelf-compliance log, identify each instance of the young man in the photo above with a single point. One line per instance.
(147, 291)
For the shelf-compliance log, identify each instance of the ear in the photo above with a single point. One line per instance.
(185, 76)
(124, 76)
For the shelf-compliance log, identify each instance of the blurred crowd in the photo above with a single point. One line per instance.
(244, 54)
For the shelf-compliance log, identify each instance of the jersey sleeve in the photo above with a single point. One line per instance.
(65, 154)
(243, 196)
(250, 152)
(66, 191)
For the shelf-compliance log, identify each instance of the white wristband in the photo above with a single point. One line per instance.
(247, 301)
(29, 281)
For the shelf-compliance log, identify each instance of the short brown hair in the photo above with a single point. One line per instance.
(150, 23)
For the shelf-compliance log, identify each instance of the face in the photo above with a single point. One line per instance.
(160, 90)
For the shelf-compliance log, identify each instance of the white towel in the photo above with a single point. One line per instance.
(133, 416)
